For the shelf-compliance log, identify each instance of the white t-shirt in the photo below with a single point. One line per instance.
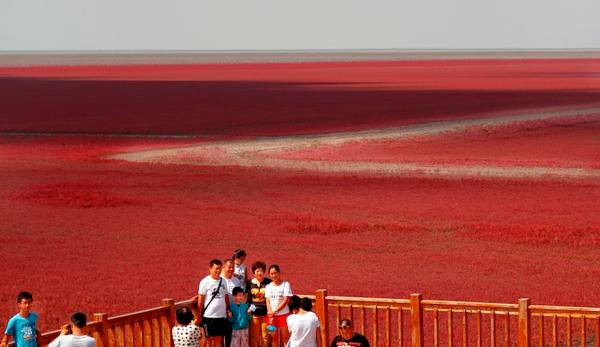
(303, 329)
(73, 341)
(217, 308)
(231, 283)
(276, 294)
(240, 272)
(186, 335)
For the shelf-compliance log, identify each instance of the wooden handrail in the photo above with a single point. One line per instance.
(416, 319)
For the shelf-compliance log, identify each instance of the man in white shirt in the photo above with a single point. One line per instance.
(213, 301)
(72, 335)
(303, 324)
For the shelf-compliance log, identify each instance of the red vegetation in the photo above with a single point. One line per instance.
(566, 142)
(84, 232)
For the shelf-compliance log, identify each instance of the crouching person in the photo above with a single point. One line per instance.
(73, 335)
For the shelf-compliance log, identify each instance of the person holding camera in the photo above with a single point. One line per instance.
(73, 335)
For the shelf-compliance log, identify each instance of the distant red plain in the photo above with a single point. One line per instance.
(84, 232)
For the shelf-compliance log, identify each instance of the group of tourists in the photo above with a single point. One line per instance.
(242, 309)
(236, 308)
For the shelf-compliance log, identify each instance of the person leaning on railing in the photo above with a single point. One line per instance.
(73, 335)
(348, 337)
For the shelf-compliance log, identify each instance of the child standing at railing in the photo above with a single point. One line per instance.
(240, 319)
(185, 333)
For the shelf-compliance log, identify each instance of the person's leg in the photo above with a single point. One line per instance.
(255, 334)
(218, 341)
(284, 335)
(244, 338)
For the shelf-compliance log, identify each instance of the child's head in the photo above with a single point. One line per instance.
(184, 316)
(238, 295)
(239, 256)
(24, 300)
(214, 267)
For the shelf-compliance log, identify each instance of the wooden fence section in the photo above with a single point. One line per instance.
(389, 322)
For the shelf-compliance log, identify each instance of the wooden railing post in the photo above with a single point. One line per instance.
(170, 305)
(524, 327)
(103, 318)
(323, 314)
(416, 314)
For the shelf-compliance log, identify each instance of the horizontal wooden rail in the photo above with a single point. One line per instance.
(387, 322)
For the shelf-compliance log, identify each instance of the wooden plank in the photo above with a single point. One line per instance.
(523, 326)
(416, 314)
(119, 337)
(507, 330)
(450, 342)
(554, 331)
(147, 332)
(541, 331)
(465, 329)
(436, 323)
(129, 335)
(582, 330)
(493, 329)
(400, 325)
(388, 327)
(569, 331)
(156, 333)
(479, 337)
(138, 338)
(375, 328)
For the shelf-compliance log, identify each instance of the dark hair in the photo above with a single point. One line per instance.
(184, 315)
(259, 265)
(236, 291)
(274, 266)
(79, 319)
(227, 261)
(306, 304)
(215, 262)
(238, 253)
(345, 322)
(24, 295)
(295, 303)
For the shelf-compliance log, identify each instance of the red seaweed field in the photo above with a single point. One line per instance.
(83, 228)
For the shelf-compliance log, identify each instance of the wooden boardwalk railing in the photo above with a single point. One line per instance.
(390, 322)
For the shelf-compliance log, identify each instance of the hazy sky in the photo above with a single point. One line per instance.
(299, 24)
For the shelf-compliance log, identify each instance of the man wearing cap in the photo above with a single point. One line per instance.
(347, 336)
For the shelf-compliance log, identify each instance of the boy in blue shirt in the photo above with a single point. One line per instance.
(22, 326)
(240, 319)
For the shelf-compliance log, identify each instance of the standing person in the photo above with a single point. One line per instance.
(214, 303)
(185, 333)
(303, 324)
(231, 282)
(240, 319)
(73, 335)
(239, 258)
(278, 294)
(22, 326)
(256, 289)
(348, 337)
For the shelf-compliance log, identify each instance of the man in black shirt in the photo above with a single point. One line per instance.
(347, 336)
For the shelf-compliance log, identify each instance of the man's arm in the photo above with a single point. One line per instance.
(4, 341)
(200, 307)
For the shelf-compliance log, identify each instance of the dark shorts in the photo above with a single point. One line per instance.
(216, 326)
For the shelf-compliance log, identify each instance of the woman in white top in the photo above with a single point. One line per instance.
(278, 294)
